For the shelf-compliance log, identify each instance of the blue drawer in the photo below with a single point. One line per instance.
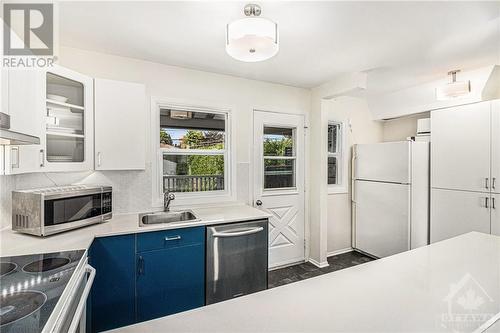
(167, 239)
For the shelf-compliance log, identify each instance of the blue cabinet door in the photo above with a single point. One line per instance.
(112, 301)
(170, 281)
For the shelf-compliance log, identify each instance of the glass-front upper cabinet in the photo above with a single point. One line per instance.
(55, 105)
(68, 119)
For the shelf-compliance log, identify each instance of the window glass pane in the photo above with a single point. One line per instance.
(333, 133)
(278, 141)
(332, 170)
(279, 173)
(193, 173)
(192, 130)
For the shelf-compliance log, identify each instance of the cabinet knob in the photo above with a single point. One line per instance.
(258, 203)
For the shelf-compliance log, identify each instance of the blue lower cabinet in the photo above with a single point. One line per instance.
(172, 279)
(112, 299)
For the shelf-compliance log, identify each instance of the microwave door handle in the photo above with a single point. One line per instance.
(83, 300)
(238, 233)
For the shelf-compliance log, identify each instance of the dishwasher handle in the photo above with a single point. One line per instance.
(238, 233)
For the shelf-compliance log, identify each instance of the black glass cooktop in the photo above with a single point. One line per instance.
(31, 286)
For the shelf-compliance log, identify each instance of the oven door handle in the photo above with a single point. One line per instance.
(83, 300)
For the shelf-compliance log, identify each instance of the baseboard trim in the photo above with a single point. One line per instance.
(341, 251)
(318, 264)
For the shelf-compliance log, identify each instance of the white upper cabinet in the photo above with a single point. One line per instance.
(4, 90)
(495, 146)
(461, 144)
(56, 105)
(458, 212)
(120, 129)
(69, 120)
(24, 91)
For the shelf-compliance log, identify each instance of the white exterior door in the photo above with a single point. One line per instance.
(461, 147)
(457, 212)
(279, 182)
(495, 146)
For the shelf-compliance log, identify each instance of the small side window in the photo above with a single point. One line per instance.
(335, 153)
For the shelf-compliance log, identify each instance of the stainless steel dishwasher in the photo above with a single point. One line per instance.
(236, 260)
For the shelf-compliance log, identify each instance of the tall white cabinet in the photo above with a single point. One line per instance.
(465, 160)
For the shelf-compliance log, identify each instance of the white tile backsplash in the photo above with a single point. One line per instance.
(131, 189)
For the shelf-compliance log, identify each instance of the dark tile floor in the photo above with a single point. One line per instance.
(307, 270)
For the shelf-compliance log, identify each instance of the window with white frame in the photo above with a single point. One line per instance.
(335, 153)
(193, 147)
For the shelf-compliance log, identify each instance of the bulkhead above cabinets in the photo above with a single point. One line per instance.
(75, 129)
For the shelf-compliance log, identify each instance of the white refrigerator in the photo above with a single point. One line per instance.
(390, 197)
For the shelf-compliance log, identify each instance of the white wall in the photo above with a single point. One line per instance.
(360, 129)
(399, 129)
(133, 189)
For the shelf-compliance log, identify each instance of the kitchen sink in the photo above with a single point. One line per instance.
(167, 217)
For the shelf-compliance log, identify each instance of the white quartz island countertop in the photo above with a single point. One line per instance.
(431, 289)
(14, 243)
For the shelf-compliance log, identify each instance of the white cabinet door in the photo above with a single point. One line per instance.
(4, 90)
(120, 130)
(25, 96)
(495, 146)
(457, 212)
(495, 214)
(26, 116)
(461, 147)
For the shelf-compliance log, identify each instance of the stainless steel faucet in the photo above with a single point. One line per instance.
(167, 198)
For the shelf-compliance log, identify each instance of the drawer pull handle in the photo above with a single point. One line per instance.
(487, 182)
(172, 238)
(493, 204)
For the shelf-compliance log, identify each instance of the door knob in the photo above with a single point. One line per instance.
(258, 203)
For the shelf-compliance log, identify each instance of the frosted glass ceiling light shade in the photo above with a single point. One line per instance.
(253, 38)
(454, 89)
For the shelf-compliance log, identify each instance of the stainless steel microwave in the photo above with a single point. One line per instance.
(52, 210)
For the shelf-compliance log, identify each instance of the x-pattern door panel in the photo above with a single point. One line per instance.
(279, 182)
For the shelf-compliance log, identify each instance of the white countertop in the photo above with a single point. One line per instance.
(13, 243)
(402, 293)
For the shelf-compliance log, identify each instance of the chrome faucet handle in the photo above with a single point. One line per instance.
(167, 198)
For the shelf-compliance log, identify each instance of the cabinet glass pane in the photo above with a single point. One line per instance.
(64, 90)
(193, 173)
(279, 173)
(278, 141)
(192, 130)
(64, 149)
(332, 170)
(64, 120)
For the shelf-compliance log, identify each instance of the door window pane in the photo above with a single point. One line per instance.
(278, 141)
(332, 170)
(279, 173)
(193, 173)
(192, 130)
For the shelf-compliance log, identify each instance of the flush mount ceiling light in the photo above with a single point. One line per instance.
(253, 38)
(453, 89)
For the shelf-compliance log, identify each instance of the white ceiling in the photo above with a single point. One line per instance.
(318, 40)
